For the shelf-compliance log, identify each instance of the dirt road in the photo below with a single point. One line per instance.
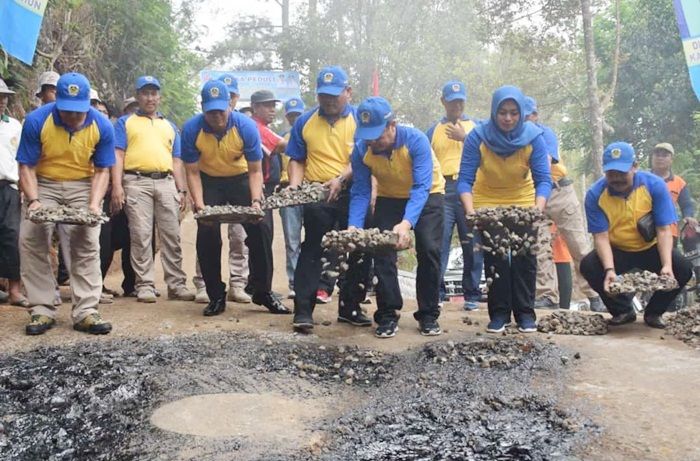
(640, 387)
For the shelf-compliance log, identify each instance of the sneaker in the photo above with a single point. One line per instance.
(356, 317)
(387, 329)
(596, 304)
(110, 292)
(470, 306)
(57, 301)
(146, 295)
(429, 327)
(545, 303)
(496, 326)
(291, 295)
(180, 294)
(322, 297)
(94, 325)
(302, 323)
(106, 298)
(238, 295)
(441, 304)
(4, 297)
(39, 324)
(201, 297)
(527, 326)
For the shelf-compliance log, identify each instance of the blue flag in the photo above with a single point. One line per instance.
(688, 15)
(20, 23)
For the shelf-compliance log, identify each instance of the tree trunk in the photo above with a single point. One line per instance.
(595, 114)
(285, 30)
(313, 60)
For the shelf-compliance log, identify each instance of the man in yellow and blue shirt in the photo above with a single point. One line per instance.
(223, 160)
(615, 205)
(319, 151)
(447, 140)
(410, 193)
(65, 152)
(148, 180)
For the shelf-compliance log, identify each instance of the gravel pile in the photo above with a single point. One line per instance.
(308, 192)
(229, 214)
(366, 240)
(645, 281)
(573, 323)
(514, 229)
(93, 400)
(685, 325)
(66, 215)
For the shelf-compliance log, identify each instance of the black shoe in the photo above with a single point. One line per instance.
(356, 317)
(273, 304)
(429, 327)
(387, 328)
(303, 323)
(621, 319)
(654, 321)
(215, 307)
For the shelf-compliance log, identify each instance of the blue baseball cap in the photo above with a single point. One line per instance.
(331, 80)
(73, 93)
(530, 106)
(373, 115)
(294, 105)
(231, 83)
(215, 96)
(618, 156)
(146, 80)
(454, 89)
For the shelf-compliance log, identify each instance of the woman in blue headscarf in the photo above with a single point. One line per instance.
(504, 162)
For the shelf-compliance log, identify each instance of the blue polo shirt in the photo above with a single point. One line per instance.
(617, 214)
(409, 171)
(60, 154)
(221, 155)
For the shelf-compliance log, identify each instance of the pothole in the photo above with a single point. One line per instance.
(263, 417)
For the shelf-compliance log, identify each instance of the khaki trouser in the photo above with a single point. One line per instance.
(563, 208)
(152, 202)
(83, 251)
(237, 259)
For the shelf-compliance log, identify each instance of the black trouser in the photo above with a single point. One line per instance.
(319, 218)
(514, 288)
(428, 239)
(9, 231)
(114, 235)
(593, 271)
(565, 283)
(233, 190)
(62, 274)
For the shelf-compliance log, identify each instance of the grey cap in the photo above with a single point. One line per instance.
(4, 89)
(263, 96)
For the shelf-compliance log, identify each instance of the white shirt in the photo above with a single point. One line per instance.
(10, 131)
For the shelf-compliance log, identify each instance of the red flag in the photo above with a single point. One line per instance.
(375, 83)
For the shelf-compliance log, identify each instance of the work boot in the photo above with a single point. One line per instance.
(621, 319)
(215, 307)
(39, 324)
(238, 295)
(273, 304)
(180, 294)
(201, 297)
(94, 325)
(654, 321)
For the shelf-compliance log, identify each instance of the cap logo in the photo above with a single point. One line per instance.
(227, 80)
(293, 103)
(148, 78)
(73, 89)
(328, 77)
(455, 87)
(365, 117)
(214, 92)
(616, 153)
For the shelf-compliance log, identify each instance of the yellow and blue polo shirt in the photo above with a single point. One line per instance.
(221, 155)
(59, 154)
(608, 211)
(324, 147)
(284, 162)
(409, 171)
(448, 151)
(149, 144)
(502, 180)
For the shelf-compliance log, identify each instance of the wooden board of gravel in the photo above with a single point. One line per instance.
(66, 215)
(303, 194)
(229, 214)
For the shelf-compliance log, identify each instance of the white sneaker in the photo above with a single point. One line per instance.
(238, 295)
(201, 297)
(291, 295)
